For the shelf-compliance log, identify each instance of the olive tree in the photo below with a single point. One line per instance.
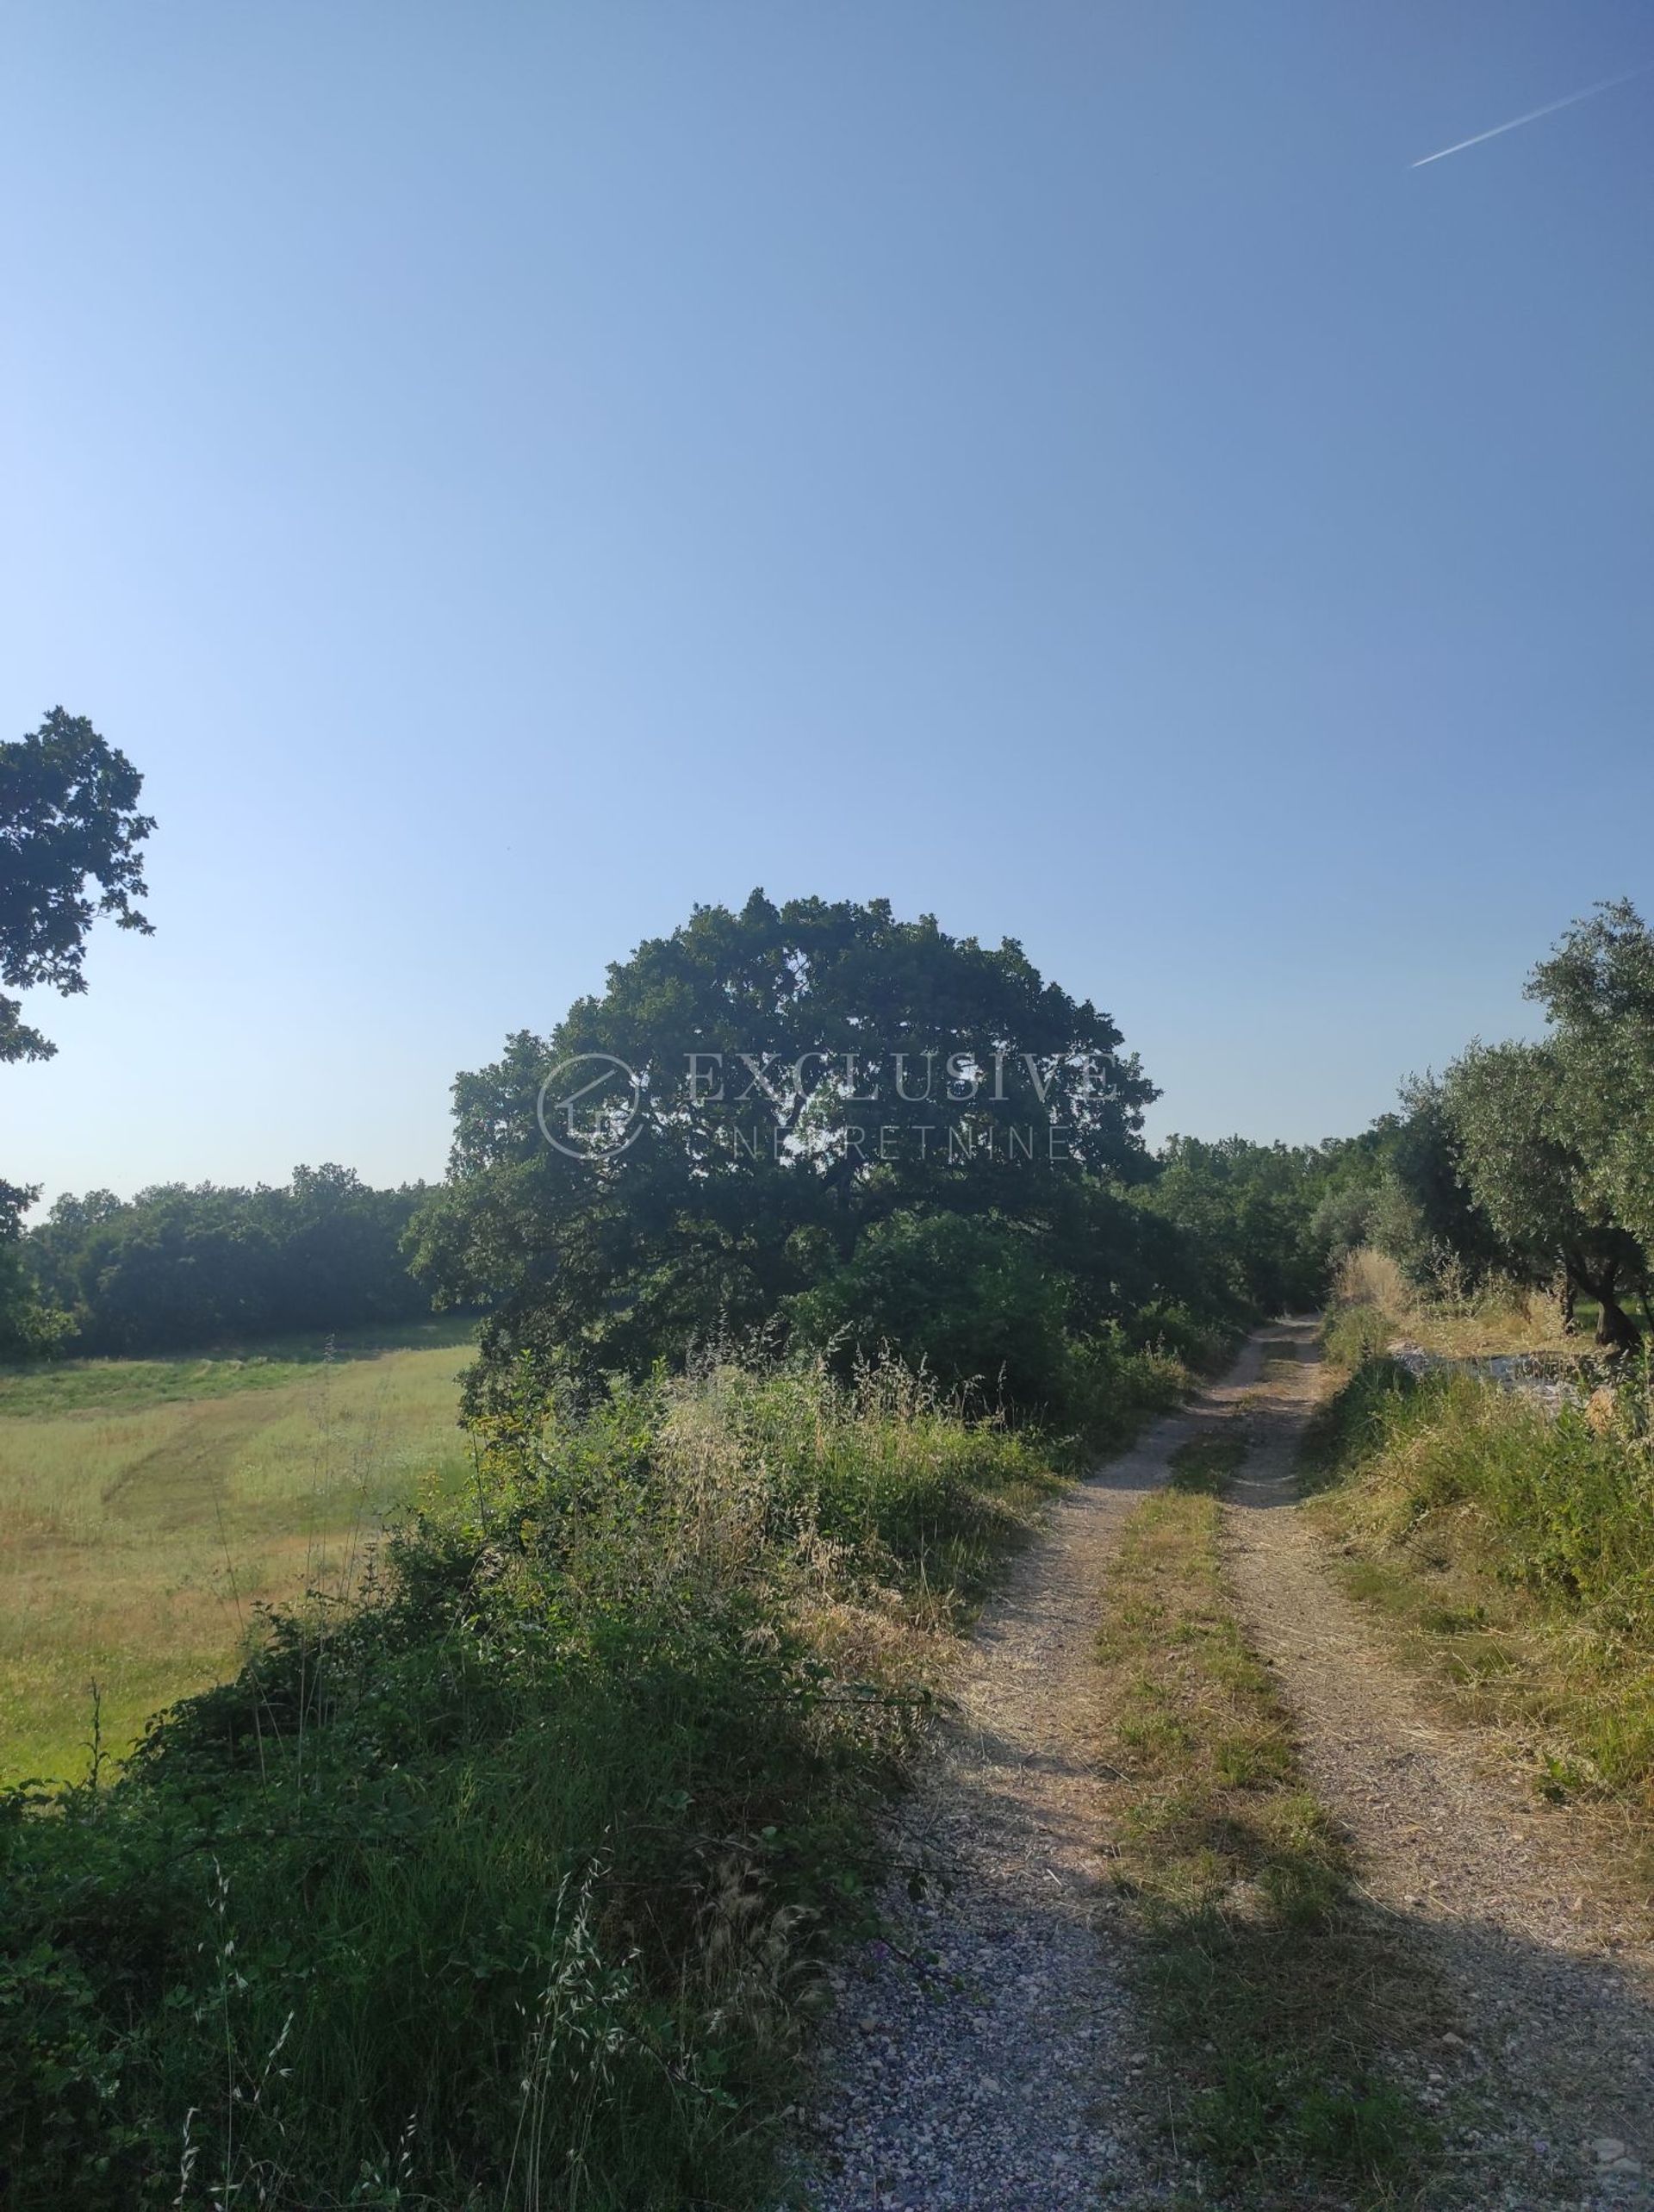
(1597, 988)
(1506, 1106)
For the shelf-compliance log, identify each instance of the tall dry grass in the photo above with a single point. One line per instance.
(1374, 1303)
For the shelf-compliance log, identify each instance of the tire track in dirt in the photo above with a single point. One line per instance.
(1556, 1998)
(986, 2059)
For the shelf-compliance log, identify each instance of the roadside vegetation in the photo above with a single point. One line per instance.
(1276, 1999)
(896, 1077)
(500, 1870)
(1508, 1537)
(508, 1886)
(1488, 1464)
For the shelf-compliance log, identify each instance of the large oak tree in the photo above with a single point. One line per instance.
(772, 1130)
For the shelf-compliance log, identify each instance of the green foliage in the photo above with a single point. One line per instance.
(68, 816)
(1400, 1188)
(1567, 1496)
(1529, 1160)
(1506, 1106)
(1500, 1100)
(30, 1328)
(880, 1208)
(1432, 1210)
(1200, 1340)
(1347, 1427)
(1597, 988)
(968, 1299)
(1354, 1335)
(1112, 1383)
(508, 1886)
(1247, 1213)
(685, 1236)
(1552, 1141)
(177, 1267)
(1518, 1550)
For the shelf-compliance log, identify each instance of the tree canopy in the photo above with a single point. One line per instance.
(68, 818)
(1539, 1127)
(1597, 988)
(1553, 1140)
(805, 1073)
(30, 1328)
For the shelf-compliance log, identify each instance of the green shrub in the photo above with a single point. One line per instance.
(1111, 1384)
(1570, 1496)
(1171, 1328)
(969, 1303)
(967, 1299)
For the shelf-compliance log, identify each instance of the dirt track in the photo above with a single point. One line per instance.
(986, 2058)
(989, 2061)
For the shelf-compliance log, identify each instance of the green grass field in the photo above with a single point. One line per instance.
(148, 1507)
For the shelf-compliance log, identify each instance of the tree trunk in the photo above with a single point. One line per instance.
(1615, 1329)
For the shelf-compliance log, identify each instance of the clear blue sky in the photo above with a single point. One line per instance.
(506, 472)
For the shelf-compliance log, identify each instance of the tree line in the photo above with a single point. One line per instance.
(181, 1268)
(1531, 1162)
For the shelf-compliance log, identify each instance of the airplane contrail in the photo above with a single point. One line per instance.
(1572, 100)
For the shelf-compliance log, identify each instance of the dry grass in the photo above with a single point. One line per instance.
(1454, 1317)
(137, 1537)
(1369, 1277)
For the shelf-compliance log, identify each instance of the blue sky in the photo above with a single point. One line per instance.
(506, 472)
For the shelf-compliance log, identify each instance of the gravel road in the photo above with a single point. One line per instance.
(986, 2059)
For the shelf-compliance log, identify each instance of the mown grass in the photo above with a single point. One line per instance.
(148, 1508)
(1277, 2000)
(1514, 1552)
(267, 1363)
(508, 1887)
